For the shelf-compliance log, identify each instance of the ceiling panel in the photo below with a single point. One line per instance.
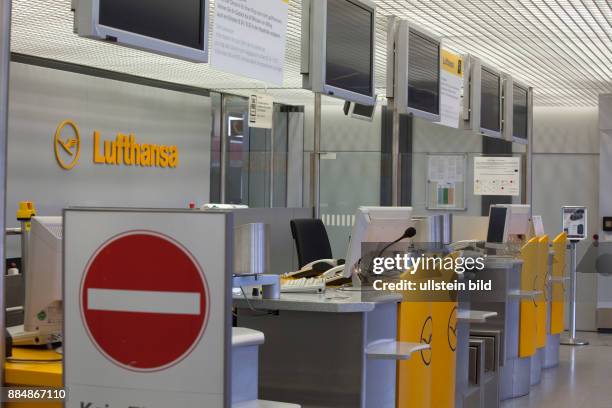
(563, 48)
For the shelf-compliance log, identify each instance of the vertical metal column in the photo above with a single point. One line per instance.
(223, 140)
(529, 175)
(315, 173)
(395, 155)
(572, 340)
(5, 55)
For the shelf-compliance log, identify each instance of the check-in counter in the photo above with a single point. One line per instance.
(556, 300)
(509, 300)
(336, 349)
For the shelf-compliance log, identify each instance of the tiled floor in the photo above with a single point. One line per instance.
(583, 378)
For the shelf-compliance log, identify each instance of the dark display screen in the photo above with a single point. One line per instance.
(423, 74)
(497, 225)
(520, 112)
(364, 110)
(490, 101)
(349, 47)
(177, 21)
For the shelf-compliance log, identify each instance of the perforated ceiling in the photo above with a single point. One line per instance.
(563, 48)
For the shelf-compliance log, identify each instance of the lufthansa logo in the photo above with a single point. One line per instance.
(67, 146)
(452, 329)
(426, 338)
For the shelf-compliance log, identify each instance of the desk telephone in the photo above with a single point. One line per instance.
(328, 269)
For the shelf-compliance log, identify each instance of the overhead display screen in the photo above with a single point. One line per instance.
(349, 54)
(179, 21)
(423, 73)
(490, 101)
(520, 112)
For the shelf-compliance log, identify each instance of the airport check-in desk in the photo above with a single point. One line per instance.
(505, 275)
(335, 349)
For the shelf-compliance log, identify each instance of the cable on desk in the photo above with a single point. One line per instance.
(259, 313)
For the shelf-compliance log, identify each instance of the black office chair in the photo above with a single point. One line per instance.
(311, 240)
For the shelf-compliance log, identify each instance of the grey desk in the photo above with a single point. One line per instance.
(336, 349)
(505, 273)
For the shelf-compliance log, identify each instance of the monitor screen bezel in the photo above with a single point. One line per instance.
(314, 52)
(434, 117)
(401, 68)
(503, 244)
(491, 132)
(527, 89)
(347, 94)
(88, 24)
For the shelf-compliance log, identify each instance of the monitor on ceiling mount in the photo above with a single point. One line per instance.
(490, 102)
(338, 48)
(176, 28)
(417, 71)
(521, 108)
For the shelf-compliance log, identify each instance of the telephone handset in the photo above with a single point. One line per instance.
(316, 268)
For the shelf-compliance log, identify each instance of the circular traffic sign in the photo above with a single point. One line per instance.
(144, 301)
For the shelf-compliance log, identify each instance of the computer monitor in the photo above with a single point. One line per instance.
(375, 224)
(416, 56)
(338, 48)
(497, 232)
(490, 102)
(175, 28)
(43, 310)
(519, 219)
(520, 109)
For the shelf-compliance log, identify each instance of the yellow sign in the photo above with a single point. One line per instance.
(123, 150)
(69, 145)
(451, 62)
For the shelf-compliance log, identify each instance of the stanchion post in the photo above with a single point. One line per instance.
(572, 340)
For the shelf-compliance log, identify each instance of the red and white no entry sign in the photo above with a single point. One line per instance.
(144, 301)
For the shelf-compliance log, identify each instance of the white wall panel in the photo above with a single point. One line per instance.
(41, 98)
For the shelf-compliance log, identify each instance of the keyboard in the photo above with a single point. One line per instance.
(303, 285)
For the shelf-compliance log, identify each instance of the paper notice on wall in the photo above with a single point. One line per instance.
(261, 111)
(451, 88)
(446, 168)
(498, 176)
(249, 38)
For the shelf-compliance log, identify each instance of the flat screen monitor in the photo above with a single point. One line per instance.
(43, 309)
(519, 219)
(423, 73)
(497, 234)
(375, 224)
(338, 49)
(177, 28)
(490, 103)
(349, 47)
(520, 98)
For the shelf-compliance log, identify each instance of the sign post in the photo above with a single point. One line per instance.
(147, 320)
(575, 225)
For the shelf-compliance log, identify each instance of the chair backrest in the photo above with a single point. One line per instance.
(311, 240)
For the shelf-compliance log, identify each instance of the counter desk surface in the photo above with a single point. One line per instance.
(349, 300)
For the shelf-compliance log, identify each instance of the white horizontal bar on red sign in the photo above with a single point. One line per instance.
(140, 301)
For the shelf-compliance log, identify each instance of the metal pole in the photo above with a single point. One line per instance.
(223, 160)
(572, 340)
(395, 155)
(529, 153)
(5, 56)
(315, 174)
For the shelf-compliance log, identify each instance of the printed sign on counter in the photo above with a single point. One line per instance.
(499, 176)
(451, 88)
(147, 308)
(249, 38)
(261, 111)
